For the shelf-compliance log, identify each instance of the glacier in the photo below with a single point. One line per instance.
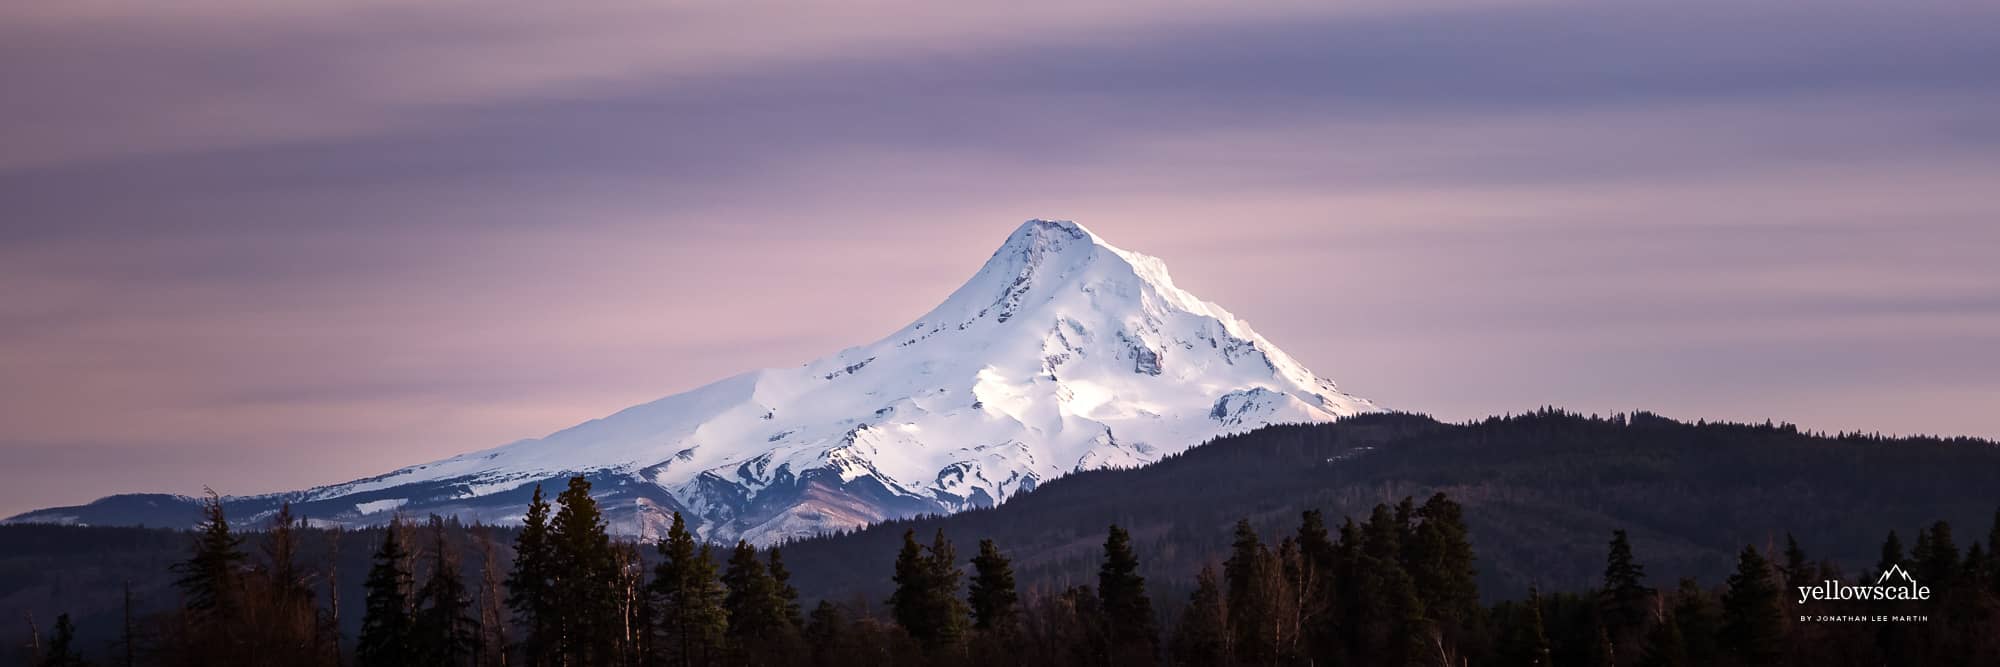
(1062, 353)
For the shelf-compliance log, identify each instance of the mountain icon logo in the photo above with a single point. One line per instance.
(1897, 570)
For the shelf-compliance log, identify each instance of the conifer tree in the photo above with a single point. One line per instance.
(688, 600)
(1698, 621)
(1623, 600)
(992, 595)
(1248, 596)
(1524, 639)
(585, 576)
(926, 600)
(758, 629)
(1935, 558)
(1441, 565)
(1751, 617)
(1664, 646)
(1202, 636)
(910, 604)
(386, 636)
(944, 579)
(528, 584)
(208, 577)
(789, 594)
(1128, 611)
(281, 550)
(824, 632)
(60, 652)
(1798, 570)
(1892, 554)
(1320, 560)
(443, 628)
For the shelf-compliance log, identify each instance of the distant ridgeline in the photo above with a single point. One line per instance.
(1452, 528)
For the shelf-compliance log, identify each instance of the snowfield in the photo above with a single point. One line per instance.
(1063, 353)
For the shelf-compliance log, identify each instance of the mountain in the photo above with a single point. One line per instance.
(1063, 353)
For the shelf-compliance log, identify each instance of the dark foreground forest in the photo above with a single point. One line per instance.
(1623, 541)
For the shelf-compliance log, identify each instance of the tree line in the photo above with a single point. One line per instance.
(1397, 587)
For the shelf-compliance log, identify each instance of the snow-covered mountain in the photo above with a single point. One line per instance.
(1063, 353)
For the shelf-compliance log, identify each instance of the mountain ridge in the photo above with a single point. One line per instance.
(1062, 353)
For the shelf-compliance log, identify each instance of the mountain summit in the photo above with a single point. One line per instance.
(1063, 353)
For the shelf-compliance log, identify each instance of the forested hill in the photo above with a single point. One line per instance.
(1541, 493)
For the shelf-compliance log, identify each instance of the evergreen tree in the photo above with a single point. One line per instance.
(1248, 595)
(386, 636)
(1623, 600)
(824, 632)
(910, 603)
(281, 549)
(1202, 637)
(758, 631)
(926, 600)
(992, 595)
(1751, 616)
(444, 630)
(688, 600)
(789, 594)
(60, 653)
(1441, 566)
(528, 584)
(1935, 558)
(1664, 646)
(208, 577)
(1128, 611)
(1319, 560)
(1798, 570)
(1892, 554)
(1524, 638)
(1698, 622)
(585, 575)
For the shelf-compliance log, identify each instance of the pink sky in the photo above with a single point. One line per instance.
(262, 248)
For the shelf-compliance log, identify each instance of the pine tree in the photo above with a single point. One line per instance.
(1798, 570)
(789, 594)
(1248, 596)
(944, 578)
(1892, 554)
(1622, 601)
(1202, 637)
(758, 631)
(444, 630)
(1128, 611)
(992, 595)
(1936, 556)
(1320, 560)
(1524, 638)
(1698, 622)
(60, 653)
(585, 575)
(1664, 646)
(208, 577)
(386, 636)
(910, 604)
(1442, 568)
(1751, 617)
(528, 584)
(926, 600)
(281, 549)
(688, 600)
(824, 633)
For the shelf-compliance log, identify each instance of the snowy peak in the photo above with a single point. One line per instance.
(1062, 353)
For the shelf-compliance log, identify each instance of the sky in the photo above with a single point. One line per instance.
(263, 246)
